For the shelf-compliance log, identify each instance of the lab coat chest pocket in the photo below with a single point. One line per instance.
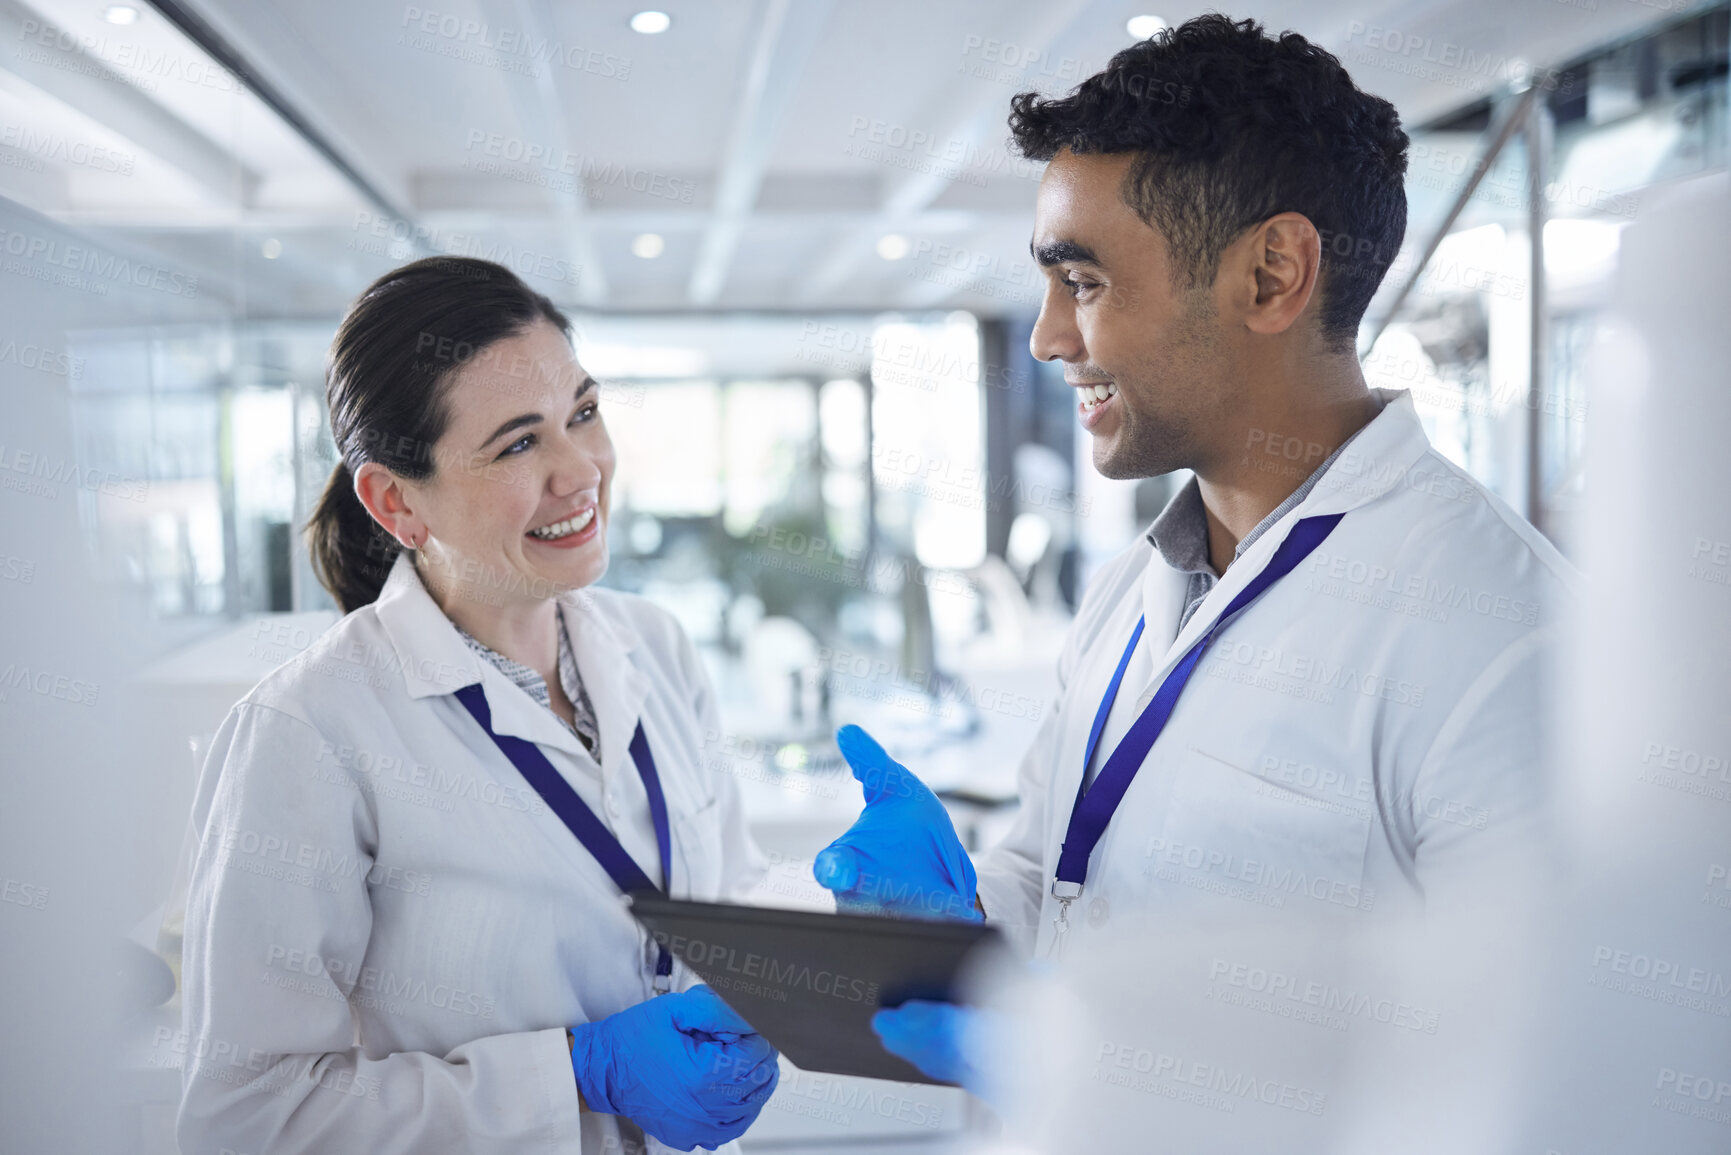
(1231, 828)
(697, 866)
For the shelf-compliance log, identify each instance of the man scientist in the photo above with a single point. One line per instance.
(1316, 682)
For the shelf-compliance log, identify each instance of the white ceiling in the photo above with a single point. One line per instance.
(767, 139)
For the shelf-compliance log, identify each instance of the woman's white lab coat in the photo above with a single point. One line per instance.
(1364, 737)
(387, 932)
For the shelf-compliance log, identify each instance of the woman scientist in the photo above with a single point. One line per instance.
(404, 930)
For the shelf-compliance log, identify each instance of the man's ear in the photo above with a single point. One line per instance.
(1279, 262)
(385, 497)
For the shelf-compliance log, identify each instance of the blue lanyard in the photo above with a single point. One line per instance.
(590, 831)
(1095, 805)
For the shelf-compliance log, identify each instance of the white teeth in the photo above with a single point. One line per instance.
(1092, 397)
(568, 526)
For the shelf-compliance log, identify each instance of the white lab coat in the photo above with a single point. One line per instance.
(387, 932)
(1363, 738)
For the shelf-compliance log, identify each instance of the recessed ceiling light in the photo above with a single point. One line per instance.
(120, 14)
(648, 245)
(651, 22)
(892, 246)
(271, 249)
(1142, 27)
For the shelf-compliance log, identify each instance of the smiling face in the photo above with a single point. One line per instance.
(516, 509)
(1113, 317)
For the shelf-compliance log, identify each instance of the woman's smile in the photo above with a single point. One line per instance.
(570, 531)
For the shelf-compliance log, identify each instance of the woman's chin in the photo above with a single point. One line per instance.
(561, 575)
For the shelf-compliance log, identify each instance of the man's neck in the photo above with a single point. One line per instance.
(1275, 453)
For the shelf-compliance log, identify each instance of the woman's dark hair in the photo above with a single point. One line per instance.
(387, 380)
(1230, 127)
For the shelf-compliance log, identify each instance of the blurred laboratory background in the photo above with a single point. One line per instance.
(793, 238)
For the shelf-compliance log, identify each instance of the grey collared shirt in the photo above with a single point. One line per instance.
(1180, 534)
(583, 723)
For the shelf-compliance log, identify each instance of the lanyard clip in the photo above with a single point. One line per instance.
(1065, 893)
(663, 982)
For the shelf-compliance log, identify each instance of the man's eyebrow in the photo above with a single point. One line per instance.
(523, 419)
(1059, 252)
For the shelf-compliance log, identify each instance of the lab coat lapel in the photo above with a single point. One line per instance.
(517, 714)
(616, 687)
(1375, 462)
(434, 659)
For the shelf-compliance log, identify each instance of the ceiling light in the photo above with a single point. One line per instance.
(648, 245)
(651, 22)
(271, 249)
(120, 14)
(1142, 27)
(892, 246)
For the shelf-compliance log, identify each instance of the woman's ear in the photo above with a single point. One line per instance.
(387, 499)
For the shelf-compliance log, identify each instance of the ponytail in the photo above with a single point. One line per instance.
(386, 383)
(351, 553)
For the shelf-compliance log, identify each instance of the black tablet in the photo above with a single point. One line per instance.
(809, 981)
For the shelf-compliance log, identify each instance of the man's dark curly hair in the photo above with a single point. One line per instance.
(1230, 127)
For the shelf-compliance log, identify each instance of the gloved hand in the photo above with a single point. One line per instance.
(943, 1040)
(901, 856)
(684, 1067)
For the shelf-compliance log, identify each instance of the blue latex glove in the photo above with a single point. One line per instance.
(938, 1038)
(901, 856)
(684, 1067)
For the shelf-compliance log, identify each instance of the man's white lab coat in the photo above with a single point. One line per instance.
(1363, 737)
(387, 931)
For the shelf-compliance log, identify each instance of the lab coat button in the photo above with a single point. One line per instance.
(1098, 912)
(613, 807)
